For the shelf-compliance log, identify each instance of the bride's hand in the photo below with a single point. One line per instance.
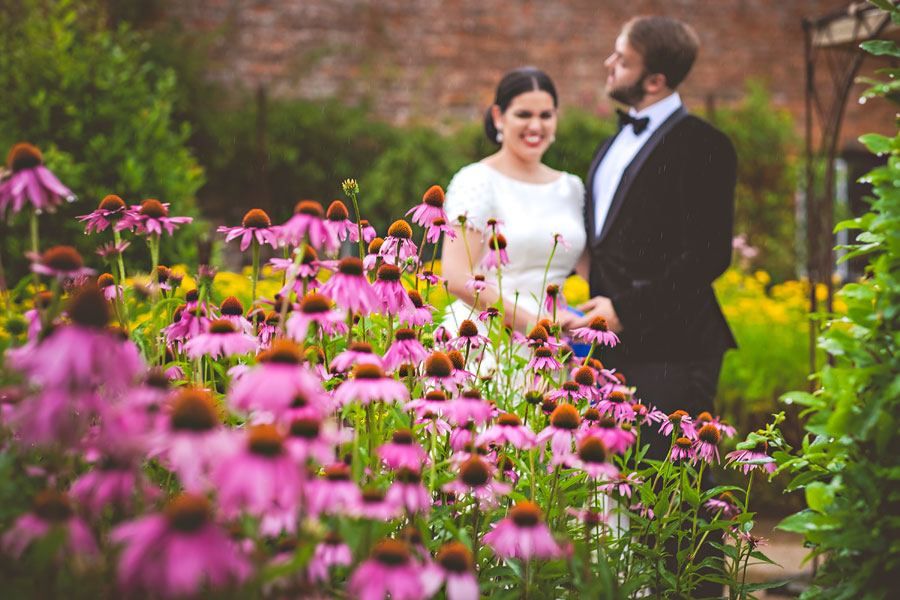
(599, 306)
(566, 320)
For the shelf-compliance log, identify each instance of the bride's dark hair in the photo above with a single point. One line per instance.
(526, 79)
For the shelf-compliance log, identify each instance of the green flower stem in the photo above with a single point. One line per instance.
(544, 282)
(255, 275)
(35, 246)
(362, 250)
(468, 253)
(117, 239)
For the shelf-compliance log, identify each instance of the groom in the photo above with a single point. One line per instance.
(659, 210)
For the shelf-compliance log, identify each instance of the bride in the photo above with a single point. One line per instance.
(532, 204)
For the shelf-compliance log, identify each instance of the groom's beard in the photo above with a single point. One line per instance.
(630, 95)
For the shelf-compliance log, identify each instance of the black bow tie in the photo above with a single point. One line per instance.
(639, 125)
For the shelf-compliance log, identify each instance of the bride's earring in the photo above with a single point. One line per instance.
(552, 138)
(499, 136)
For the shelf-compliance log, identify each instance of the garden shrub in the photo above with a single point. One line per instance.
(100, 112)
(849, 463)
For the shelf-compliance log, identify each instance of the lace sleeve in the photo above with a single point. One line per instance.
(470, 194)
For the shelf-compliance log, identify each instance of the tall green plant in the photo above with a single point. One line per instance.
(99, 109)
(766, 145)
(849, 465)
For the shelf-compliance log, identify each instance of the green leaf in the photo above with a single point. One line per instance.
(878, 144)
(880, 47)
(800, 522)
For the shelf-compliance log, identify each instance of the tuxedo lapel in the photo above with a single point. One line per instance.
(634, 169)
(590, 201)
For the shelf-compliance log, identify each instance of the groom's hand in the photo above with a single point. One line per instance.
(599, 306)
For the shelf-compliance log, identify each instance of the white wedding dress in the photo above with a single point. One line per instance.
(529, 215)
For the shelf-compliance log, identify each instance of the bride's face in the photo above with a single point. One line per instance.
(528, 124)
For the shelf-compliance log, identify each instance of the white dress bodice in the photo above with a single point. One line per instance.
(529, 215)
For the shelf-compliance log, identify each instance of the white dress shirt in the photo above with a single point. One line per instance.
(622, 151)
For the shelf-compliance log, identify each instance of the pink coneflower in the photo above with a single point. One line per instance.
(431, 208)
(374, 506)
(394, 298)
(398, 246)
(192, 438)
(420, 313)
(111, 209)
(151, 217)
(740, 458)
(454, 565)
(434, 402)
(358, 353)
(496, 243)
(107, 283)
(402, 451)
(111, 483)
(683, 449)
(430, 278)
(462, 437)
(586, 380)
(469, 407)
(330, 552)
(310, 438)
(622, 484)
(439, 371)
(468, 337)
(488, 314)
(368, 231)
(350, 289)
(232, 310)
(592, 458)
(304, 271)
(508, 429)
(433, 423)
(390, 572)
(222, 339)
(51, 512)
(616, 404)
(369, 384)
(460, 375)
(569, 392)
(597, 332)
(523, 535)
(564, 421)
(315, 309)
(112, 250)
(188, 322)
(679, 419)
(61, 262)
(255, 225)
(647, 414)
(338, 220)
(373, 258)
(178, 552)
(438, 228)
(79, 355)
(543, 360)
(406, 349)
(274, 384)
(308, 222)
(259, 477)
(31, 180)
(333, 493)
(707, 443)
(615, 436)
(724, 428)
(407, 491)
(725, 503)
(476, 477)
(555, 301)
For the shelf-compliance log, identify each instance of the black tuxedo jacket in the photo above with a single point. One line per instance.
(666, 237)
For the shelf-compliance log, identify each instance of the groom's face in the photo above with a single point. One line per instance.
(625, 82)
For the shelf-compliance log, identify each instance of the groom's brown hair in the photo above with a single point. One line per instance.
(667, 46)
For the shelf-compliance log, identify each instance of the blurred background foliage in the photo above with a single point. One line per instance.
(100, 110)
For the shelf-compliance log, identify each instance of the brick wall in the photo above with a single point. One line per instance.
(438, 61)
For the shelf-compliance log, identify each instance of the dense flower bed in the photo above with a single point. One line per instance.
(333, 437)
